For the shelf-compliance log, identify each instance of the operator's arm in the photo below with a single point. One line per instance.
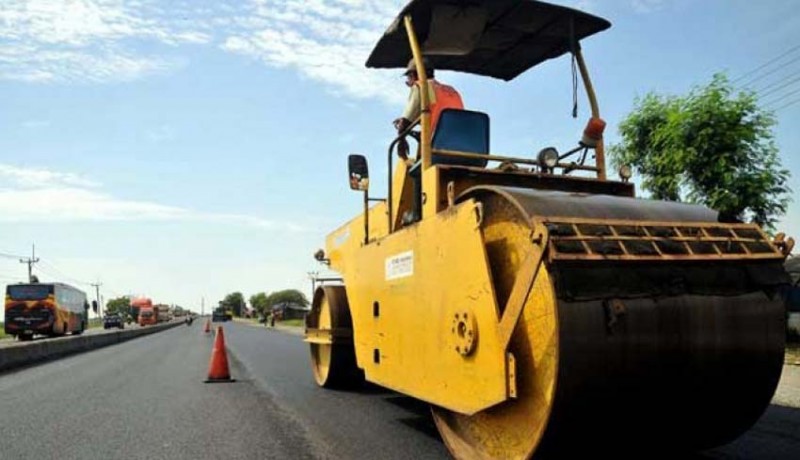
(411, 112)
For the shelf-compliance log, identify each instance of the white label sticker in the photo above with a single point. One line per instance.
(400, 266)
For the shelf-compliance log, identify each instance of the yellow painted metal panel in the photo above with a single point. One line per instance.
(424, 278)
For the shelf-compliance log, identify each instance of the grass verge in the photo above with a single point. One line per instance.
(293, 323)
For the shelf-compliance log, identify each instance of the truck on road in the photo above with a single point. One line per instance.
(136, 305)
(163, 313)
(147, 314)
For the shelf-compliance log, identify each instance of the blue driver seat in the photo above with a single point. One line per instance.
(464, 131)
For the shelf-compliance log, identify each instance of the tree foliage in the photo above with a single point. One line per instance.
(711, 147)
(263, 302)
(259, 303)
(233, 302)
(120, 305)
(292, 296)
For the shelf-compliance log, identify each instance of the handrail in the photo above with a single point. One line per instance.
(390, 173)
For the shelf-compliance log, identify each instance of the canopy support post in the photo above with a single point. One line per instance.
(424, 95)
(600, 157)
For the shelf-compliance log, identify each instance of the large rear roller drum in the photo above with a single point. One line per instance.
(333, 365)
(622, 373)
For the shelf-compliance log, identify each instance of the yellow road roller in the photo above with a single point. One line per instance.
(538, 306)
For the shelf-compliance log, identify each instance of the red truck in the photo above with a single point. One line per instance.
(147, 314)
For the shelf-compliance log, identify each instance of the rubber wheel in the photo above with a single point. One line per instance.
(333, 365)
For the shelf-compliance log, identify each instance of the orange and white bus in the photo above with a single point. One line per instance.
(45, 308)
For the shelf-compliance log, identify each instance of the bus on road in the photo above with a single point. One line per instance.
(45, 308)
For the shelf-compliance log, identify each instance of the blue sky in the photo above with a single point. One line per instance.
(189, 149)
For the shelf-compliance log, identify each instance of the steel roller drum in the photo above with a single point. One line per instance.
(668, 354)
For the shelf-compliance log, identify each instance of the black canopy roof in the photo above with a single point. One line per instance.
(496, 38)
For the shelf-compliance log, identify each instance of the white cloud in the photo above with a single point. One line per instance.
(41, 195)
(60, 65)
(35, 124)
(647, 6)
(26, 178)
(91, 40)
(325, 40)
(98, 41)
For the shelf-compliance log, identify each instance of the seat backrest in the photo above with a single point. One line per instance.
(463, 131)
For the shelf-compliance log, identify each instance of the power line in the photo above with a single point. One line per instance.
(61, 274)
(762, 66)
(783, 66)
(788, 104)
(777, 88)
(782, 78)
(5, 276)
(782, 98)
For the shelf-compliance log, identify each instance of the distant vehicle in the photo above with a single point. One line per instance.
(163, 313)
(220, 315)
(113, 320)
(137, 304)
(44, 308)
(148, 315)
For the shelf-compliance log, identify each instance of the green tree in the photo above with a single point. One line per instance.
(120, 305)
(287, 296)
(259, 302)
(234, 302)
(711, 147)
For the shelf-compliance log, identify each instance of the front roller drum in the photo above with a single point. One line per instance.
(334, 363)
(514, 428)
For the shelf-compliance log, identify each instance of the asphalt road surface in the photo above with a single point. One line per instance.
(144, 399)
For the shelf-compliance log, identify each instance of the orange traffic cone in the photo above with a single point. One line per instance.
(208, 326)
(218, 366)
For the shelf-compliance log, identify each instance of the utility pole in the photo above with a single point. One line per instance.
(202, 306)
(97, 297)
(30, 261)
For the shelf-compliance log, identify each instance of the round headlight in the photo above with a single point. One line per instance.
(548, 158)
(625, 172)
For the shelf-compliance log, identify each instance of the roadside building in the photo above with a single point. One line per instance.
(288, 310)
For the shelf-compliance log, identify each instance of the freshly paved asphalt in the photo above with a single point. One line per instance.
(144, 399)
